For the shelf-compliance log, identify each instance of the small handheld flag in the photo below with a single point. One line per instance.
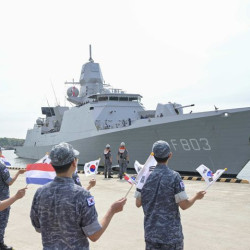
(129, 179)
(91, 167)
(40, 172)
(5, 161)
(209, 176)
(138, 167)
(147, 169)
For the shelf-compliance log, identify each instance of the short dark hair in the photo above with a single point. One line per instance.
(63, 168)
(161, 160)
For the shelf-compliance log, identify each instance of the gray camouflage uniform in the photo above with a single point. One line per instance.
(107, 164)
(63, 212)
(123, 162)
(160, 196)
(65, 215)
(5, 179)
(76, 179)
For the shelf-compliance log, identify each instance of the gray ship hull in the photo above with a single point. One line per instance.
(217, 139)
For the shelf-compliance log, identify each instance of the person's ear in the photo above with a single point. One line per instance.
(74, 163)
(170, 155)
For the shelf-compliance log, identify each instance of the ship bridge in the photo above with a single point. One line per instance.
(116, 97)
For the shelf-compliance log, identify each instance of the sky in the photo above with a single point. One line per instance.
(186, 51)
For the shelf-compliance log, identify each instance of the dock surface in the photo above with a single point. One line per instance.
(218, 222)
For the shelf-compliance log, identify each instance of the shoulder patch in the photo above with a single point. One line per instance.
(182, 185)
(91, 201)
(5, 170)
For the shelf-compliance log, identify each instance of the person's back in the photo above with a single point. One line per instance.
(63, 205)
(161, 196)
(161, 212)
(63, 212)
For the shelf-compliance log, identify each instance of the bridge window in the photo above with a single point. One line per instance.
(113, 98)
(133, 99)
(102, 98)
(123, 98)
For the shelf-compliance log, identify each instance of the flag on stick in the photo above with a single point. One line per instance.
(206, 173)
(91, 167)
(209, 176)
(129, 179)
(147, 169)
(40, 172)
(4, 161)
(128, 191)
(138, 167)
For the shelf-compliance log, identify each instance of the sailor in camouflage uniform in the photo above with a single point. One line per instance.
(5, 182)
(77, 181)
(123, 159)
(107, 161)
(64, 213)
(160, 197)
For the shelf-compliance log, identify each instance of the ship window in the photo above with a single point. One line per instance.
(113, 98)
(48, 111)
(123, 99)
(133, 99)
(102, 98)
(91, 108)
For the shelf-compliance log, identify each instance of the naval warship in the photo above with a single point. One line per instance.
(104, 115)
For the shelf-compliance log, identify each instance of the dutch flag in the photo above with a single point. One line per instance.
(5, 161)
(40, 172)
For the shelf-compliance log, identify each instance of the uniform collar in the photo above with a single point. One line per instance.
(161, 166)
(63, 180)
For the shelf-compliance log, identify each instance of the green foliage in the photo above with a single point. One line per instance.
(11, 142)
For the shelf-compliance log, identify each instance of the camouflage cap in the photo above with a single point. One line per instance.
(161, 149)
(62, 154)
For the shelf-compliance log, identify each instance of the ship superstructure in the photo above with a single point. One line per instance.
(105, 115)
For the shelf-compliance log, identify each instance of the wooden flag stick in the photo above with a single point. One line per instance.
(129, 191)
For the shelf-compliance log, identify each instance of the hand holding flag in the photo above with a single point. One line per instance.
(208, 175)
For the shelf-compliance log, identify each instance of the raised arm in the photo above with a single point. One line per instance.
(185, 204)
(20, 171)
(116, 207)
(6, 203)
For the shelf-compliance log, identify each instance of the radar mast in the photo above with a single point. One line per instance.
(90, 54)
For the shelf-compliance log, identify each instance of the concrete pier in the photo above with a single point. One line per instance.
(218, 222)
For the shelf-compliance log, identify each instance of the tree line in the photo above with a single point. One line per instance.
(10, 143)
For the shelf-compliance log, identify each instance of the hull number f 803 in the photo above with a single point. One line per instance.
(191, 144)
